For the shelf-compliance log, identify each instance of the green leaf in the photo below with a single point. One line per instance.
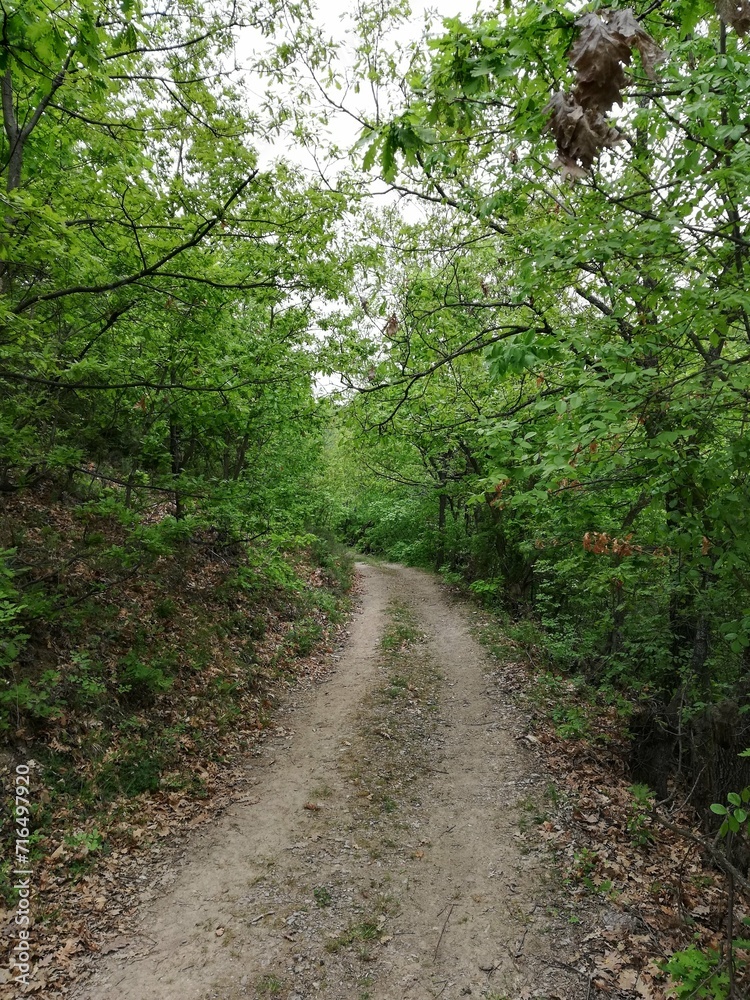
(370, 155)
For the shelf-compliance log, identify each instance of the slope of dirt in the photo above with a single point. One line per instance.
(378, 855)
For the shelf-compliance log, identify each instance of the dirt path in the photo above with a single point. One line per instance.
(379, 853)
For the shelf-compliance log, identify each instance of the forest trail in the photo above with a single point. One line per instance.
(377, 852)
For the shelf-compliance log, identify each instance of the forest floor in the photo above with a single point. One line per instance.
(378, 849)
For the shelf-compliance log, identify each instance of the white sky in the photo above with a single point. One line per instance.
(335, 18)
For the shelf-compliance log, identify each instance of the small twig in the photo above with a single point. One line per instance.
(519, 949)
(562, 965)
(442, 932)
(716, 855)
(269, 913)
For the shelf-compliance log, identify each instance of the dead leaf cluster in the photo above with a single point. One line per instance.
(598, 56)
(735, 13)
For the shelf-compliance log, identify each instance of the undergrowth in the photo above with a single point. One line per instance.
(130, 692)
(608, 848)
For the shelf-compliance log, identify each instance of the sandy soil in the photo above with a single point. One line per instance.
(374, 856)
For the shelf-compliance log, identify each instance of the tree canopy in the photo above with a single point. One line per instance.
(585, 189)
(508, 340)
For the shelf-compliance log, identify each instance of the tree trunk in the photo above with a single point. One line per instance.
(174, 450)
(440, 549)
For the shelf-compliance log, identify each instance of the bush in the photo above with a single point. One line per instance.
(140, 682)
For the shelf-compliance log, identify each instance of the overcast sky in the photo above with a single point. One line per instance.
(334, 17)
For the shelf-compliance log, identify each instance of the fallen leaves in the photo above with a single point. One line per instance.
(92, 847)
(648, 892)
(613, 970)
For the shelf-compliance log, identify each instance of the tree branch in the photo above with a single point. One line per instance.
(201, 232)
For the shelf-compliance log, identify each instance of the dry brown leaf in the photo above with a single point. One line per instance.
(627, 979)
(643, 989)
(736, 13)
(625, 25)
(612, 961)
(599, 55)
(580, 134)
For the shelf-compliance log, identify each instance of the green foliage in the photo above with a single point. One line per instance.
(140, 681)
(86, 681)
(570, 722)
(547, 373)
(304, 636)
(12, 638)
(363, 932)
(24, 698)
(736, 814)
(88, 842)
(486, 590)
(157, 364)
(269, 985)
(400, 631)
(582, 873)
(322, 896)
(136, 769)
(638, 819)
(697, 973)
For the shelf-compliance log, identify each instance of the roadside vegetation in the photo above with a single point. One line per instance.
(535, 382)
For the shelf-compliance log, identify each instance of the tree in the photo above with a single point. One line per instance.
(148, 262)
(158, 296)
(622, 267)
